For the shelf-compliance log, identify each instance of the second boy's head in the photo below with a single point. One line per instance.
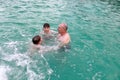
(36, 40)
(46, 28)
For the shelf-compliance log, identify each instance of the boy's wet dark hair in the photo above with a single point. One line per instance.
(46, 25)
(36, 39)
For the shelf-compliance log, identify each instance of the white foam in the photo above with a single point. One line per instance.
(21, 59)
(33, 76)
(2, 9)
(97, 76)
(48, 48)
(50, 71)
(3, 70)
(12, 43)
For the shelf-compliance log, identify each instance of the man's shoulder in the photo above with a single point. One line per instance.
(67, 34)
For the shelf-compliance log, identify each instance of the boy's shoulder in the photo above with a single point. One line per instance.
(53, 32)
(35, 46)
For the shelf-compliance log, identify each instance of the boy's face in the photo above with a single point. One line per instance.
(46, 29)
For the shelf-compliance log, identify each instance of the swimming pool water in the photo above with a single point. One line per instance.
(94, 27)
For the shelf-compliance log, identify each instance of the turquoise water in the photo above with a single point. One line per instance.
(94, 27)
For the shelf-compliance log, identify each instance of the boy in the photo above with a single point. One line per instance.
(36, 42)
(35, 45)
(47, 33)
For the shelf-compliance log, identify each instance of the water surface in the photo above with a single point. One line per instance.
(94, 27)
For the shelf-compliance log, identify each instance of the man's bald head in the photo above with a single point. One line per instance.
(63, 25)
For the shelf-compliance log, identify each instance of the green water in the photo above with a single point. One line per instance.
(94, 27)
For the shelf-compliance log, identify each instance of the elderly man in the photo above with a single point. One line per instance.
(63, 36)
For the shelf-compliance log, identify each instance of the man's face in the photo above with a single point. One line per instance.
(61, 29)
